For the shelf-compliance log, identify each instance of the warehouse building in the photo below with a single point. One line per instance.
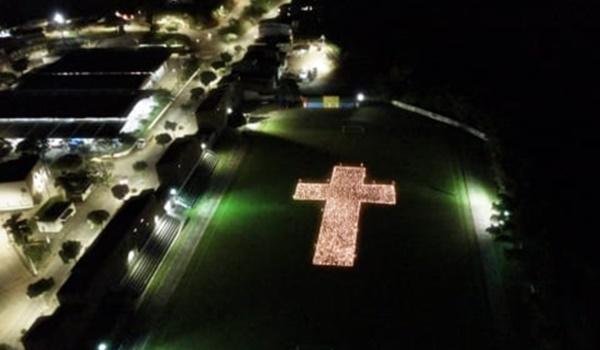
(86, 94)
(24, 182)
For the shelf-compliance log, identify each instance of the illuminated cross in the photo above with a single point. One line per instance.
(343, 196)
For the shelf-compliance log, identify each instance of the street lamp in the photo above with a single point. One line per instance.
(360, 97)
(102, 346)
(130, 256)
(59, 18)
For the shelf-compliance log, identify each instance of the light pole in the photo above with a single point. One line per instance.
(60, 20)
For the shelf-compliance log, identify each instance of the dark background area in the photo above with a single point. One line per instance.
(527, 73)
(526, 70)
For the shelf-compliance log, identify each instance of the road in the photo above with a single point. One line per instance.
(175, 263)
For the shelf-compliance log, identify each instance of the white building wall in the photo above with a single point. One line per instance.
(15, 196)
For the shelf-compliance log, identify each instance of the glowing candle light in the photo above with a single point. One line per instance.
(343, 196)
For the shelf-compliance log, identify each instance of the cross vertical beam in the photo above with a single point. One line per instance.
(343, 195)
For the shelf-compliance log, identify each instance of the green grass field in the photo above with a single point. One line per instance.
(417, 282)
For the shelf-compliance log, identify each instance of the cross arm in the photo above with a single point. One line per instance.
(311, 191)
(379, 194)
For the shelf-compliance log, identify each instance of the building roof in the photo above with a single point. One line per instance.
(87, 269)
(17, 169)
(79, 105)
(61, 130)
(179, 152)
(212, 100)
(52, 211)
(64, 113)
(109, 61)
(82, 82)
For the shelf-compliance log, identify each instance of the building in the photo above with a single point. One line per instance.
(150, 61)
(77, 187)
(258, 76)
(64, 114)
(24, 183)
(53, 215)
(273, 27)
(91, 299)
(179, 161)
(86, 94)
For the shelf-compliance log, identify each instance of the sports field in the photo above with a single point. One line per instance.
(417, 282)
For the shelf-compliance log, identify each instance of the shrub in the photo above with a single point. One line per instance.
(69, 251)
(207, 77)
(163, 139)
(140, 165)
(98, 217)
(120, 191)
(37, 288)
(69, 161)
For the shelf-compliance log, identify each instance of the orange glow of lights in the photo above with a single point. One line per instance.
(343, 196)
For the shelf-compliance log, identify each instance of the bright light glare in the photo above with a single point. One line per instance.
(317, 58)
(139, 113)
(59, 18)
(203, 145)
(102, 346)
(344, 195)
(481, 209)
(130, 256)
(360, 97)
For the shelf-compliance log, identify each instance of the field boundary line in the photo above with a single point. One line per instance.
(440, 118)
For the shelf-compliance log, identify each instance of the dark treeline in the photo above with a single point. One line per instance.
(528, 72)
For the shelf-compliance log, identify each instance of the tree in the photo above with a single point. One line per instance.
(140, 165)
(36, 251)
(163, 139)
(5, 148)
(39, 287)
(101, 172)
(207, 77)
(127, 139)
(98, 217)
(21, 65)
(257, 8)
(18, 228)
(70, 250)
(218, 65)
(169, 125)
(120, 191)
(71, 161)
(34, 146)
(226, 57)
(197, 93)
